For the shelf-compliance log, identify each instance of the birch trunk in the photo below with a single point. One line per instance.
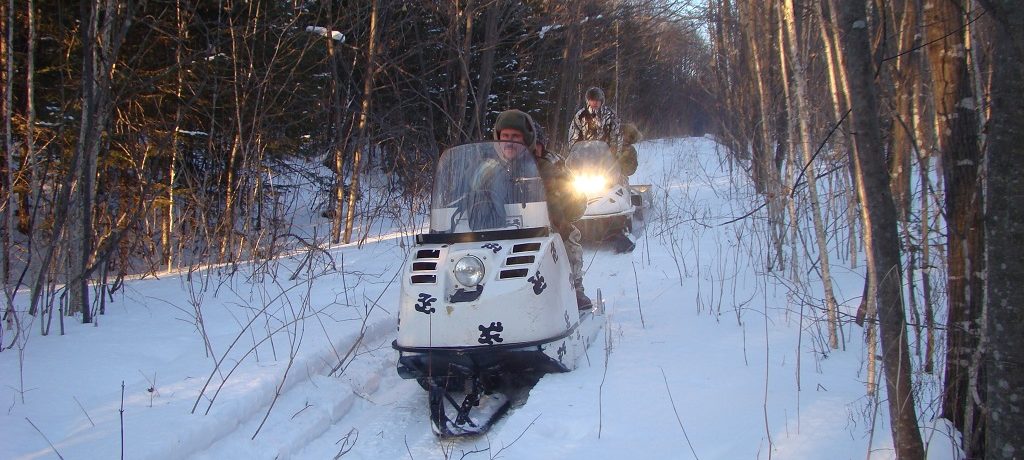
(364, 117)
(803, 113)
(789, 192)
(337, 137)
(170, 226)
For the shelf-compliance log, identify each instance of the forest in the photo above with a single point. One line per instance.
(146, 136)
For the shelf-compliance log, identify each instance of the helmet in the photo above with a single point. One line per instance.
(517, 120)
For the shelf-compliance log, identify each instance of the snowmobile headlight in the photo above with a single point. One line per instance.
(590, 184)
(469, 271)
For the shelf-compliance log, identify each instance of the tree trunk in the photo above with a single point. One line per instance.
(956, 125)
(565, 101)
(457, 132)
(94, 96)
(803, 112)
(226, 226)
(882, 235)
(904, 20)
(7, 82)
(170, 226)
(338, 155)
(6, 79)
(483, 88)
(364, 117)
(1004, 232)
(766, 176)
(790, 174)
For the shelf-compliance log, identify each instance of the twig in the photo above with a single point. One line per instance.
(636, 282)
(362, 328)
(745, 215)
(152, 387)
(308, 405)
(44, 437)
(678, 419)
(347, 443)
(122, 419)
(604, 375)
(767, 362)
(498, 453)
(83, 411)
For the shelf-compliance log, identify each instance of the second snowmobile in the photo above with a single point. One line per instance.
(612, 203)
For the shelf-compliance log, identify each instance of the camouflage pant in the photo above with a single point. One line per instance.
(574, 251)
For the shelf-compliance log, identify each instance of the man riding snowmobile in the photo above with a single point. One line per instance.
(565, 204)
(597, 121)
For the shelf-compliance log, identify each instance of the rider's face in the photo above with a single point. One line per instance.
(594, 105)
(509, 150)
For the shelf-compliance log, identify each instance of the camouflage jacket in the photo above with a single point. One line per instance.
(602, 126)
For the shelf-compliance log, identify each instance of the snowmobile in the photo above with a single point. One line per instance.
(487, 306)
(612, 203)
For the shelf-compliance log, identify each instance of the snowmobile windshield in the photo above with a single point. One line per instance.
(594, 168)
(487, 186)
(592, 157)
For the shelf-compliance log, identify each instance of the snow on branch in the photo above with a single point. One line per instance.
(322, 31)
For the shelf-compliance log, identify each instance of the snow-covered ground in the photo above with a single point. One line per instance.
(705, 355)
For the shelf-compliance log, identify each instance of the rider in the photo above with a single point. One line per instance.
(565, 204)
(596, 121)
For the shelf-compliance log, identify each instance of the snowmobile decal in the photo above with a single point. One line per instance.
(561, 351)
(462, 295)
(554, 254)
(423, 305)
(538, 283)
(495, 247)
(567, 323)
(488, 334)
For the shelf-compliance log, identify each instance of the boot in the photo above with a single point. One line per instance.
(623, 244)
(582, 301)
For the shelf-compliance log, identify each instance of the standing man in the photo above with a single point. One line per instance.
(596, 121)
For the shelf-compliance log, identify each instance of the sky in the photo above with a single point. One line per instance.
(704, 352)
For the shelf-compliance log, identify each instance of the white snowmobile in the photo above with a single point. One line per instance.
(612, 203)
(487, 304)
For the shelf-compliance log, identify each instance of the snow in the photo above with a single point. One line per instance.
(545, 29)
(324, 32)
(705, 355)
(192, 133)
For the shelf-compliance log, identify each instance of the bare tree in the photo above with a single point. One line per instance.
(106, 24)
(1003, 340)
(880, 218)
(364, 122)
(803, 114)
(7, 115)
(957, 134)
